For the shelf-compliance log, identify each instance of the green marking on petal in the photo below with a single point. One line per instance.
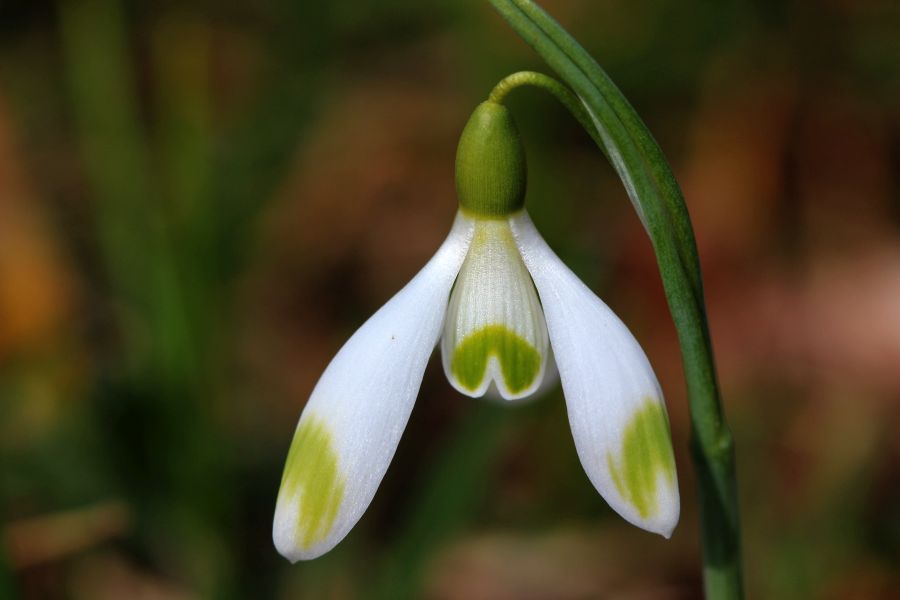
(312, 480)
(646, 451)
(520, 362)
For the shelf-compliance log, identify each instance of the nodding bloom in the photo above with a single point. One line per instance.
(507, 314)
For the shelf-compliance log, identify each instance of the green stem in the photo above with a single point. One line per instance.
(563, 94)
(651, 185)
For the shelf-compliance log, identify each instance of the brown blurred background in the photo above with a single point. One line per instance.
(199, 202)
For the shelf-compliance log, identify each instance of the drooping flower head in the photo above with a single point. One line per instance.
(508, 315)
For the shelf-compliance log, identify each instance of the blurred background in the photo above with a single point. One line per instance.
(200, 202)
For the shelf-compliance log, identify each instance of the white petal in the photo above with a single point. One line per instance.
(351, 425)
(495, 334)
(615, 405)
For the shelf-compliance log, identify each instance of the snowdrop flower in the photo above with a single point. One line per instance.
(497, 300)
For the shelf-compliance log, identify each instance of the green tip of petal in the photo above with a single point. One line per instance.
(312, 480)
(646, 452)
(520, 362)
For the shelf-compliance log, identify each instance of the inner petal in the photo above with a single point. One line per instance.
(495, 329)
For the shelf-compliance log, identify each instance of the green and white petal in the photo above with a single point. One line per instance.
(352, 423)
(495, 332)
(615, 405)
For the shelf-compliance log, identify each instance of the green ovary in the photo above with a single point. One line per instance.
(312, 480)
(520, 362)
(646, 452)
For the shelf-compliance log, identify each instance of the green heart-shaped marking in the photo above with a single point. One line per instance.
(520, 362)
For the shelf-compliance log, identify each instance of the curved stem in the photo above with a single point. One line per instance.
(564, 95)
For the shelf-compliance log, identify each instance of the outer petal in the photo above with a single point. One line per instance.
(615, 405)
(351, 425)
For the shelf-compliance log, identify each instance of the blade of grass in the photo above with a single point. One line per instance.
(161, 437)
(130, 220)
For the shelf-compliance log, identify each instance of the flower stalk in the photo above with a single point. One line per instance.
(619, 132)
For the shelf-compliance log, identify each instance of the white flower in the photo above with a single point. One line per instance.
(513, 301)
